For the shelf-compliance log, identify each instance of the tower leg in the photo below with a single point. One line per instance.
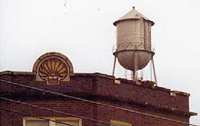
(113, 72)
(135, 67)
(133, 75)
(154, 71)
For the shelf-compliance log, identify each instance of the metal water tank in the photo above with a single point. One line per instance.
(134, 40)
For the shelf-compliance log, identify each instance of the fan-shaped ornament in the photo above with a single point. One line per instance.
(53, 67)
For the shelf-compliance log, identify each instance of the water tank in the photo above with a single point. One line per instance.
(134, 40)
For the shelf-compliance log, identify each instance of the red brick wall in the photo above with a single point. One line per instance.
(142, 98)
(82, 109)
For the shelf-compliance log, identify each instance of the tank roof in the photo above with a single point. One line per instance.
(133, 14)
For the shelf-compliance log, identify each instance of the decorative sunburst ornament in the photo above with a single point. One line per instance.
(53, 67)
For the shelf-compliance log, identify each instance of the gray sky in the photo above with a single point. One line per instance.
(83, 31)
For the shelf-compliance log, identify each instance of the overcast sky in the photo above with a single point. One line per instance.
(83, 31)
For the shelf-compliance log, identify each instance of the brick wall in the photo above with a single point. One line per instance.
(144, 98)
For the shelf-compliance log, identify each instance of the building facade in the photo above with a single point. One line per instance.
(53, 95)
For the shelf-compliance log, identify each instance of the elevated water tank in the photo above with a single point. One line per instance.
(134, 40)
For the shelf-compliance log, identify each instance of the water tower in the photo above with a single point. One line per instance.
(133, 50)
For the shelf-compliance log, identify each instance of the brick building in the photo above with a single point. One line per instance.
(52, 94)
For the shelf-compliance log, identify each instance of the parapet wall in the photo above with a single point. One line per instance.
(104, 88)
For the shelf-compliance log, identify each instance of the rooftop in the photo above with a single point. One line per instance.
(97, 86)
